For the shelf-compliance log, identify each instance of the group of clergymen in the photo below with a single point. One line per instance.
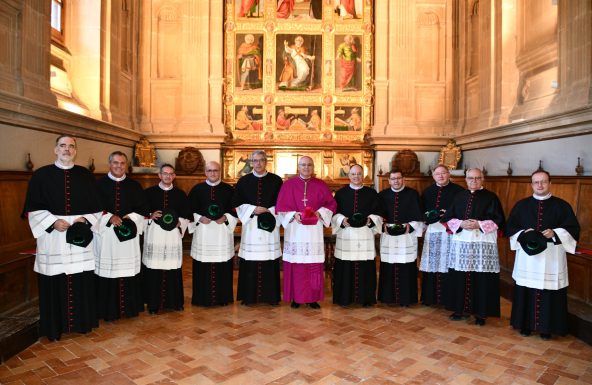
(91, 266)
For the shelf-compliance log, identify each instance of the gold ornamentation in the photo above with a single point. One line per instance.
(450, 155)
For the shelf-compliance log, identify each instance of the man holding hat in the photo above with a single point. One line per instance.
(306, 205)
(212, 247)
(542, 228)
(357, 219)
(398, 244)
(434, 256)
(118, 257)
(61, 205)
(474, 218)
(163, 243)
(255, 197)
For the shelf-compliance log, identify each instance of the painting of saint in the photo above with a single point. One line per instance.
(298, 118)
(347, 119)
(248, 119)
(348, 9)
(284, 9)
(348, 72)
(249, 61)
(249, 8)
(296, 62)
(244, 164)
(302, 10)
(346, 161)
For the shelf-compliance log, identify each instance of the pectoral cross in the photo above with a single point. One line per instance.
(305, 199)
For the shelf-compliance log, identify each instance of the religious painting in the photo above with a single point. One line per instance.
(290, 118)
(298, 74)
(243, 164)
(349, 9)
(300, 10)
(344, 160)
(249, 61)
(248, 118)
(249, 8)
(286, 162)
(348, 63)
(299, 62)
(450, 155)
(347, 119)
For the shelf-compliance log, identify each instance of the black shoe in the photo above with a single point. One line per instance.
(294, 305)
(455, 317)
(525, 332)
(366, 305)
(545, 336)
(274, 304)
(479, 321)
(314, 305)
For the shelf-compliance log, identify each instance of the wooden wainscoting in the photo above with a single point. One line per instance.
(575, 190)
(18, 282)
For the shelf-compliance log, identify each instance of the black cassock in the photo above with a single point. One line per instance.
(212, 281)
(533, 309)
(355, 281)
(120, 297)
(471, 292)
(163, 289)
(432, 282)
(258, 280)
(398, 281)
(66, 301)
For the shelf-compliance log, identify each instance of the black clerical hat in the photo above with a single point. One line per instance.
(533, 242)
(126, 231)
(214, 211)
(395, 228)
(169, 219)
(358, 220)
(433, 216)
(266, 221)
(79, 234)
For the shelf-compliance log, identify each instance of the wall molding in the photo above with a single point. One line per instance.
(23, 112)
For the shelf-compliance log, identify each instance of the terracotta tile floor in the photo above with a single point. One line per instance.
(264, 345)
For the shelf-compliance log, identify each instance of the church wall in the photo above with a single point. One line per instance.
(559, 156)
(17, 142)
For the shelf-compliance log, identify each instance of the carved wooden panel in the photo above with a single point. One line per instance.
(580, 277)
(584, 213)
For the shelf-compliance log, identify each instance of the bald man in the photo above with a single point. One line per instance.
(358, 219)
(212, 248)
(305, 205)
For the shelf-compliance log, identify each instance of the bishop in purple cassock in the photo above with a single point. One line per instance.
(305, 205)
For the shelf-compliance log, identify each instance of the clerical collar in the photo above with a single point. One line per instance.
(304, 179)
(472, 191)
(165, 188)
(443, 185)
(213, 183)
(355, 187)
(542, 198)
(114, 178)
(59, 165)
(259, 175)
(399, 190)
